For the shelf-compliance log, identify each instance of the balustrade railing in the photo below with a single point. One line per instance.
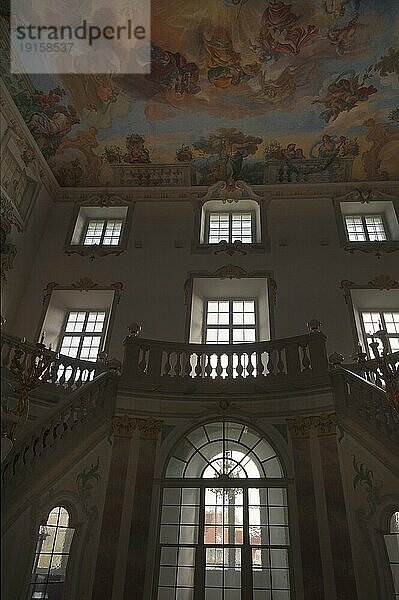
(370, 369)
(55, 368)
(285, 359)
(360, 398)
(86, 403)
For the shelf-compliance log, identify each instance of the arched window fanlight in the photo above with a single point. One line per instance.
(224, 520)
(224, 450)
(51, 556)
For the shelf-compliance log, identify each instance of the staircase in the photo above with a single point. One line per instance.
(81, 418)
(363, 406)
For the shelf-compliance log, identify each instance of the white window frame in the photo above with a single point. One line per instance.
(367, 336)
(230, 327)
(230, 239)
(194, 488)
(82, 334)
(244, 205)
(33, 584)
(82, 215)
(105, 224)
(366, 231)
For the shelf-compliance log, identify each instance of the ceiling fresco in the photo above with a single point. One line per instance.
(262, 91)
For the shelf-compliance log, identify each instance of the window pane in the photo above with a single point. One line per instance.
(53, 544)
(75, 322)
(242, 227)
(90, 347)
(375, 227)
(355, 229)
(112, 232)
(95, 322)
(219, 227)
(94, 232)
(70, 346)
(392, 322)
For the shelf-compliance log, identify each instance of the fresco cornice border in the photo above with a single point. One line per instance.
(264, 191)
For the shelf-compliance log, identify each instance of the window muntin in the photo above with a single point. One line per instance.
(392, 546)
(365, 228)
(223, 527)
(230, 321)
(230, 226)
(373, 321)
(51, 556)
(103, 232)
(224, 450)
(83, 334)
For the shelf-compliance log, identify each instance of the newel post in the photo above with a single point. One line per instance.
(318, 354)
(131, 356)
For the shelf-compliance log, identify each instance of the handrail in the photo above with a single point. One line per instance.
(357, 396)
(58, 369)
(292, 358)
(72, 412)
(369, 369)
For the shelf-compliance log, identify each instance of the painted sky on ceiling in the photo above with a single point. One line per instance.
(238, 88)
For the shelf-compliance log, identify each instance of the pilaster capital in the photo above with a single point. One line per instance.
(324, 424)
(299, 427)
(125, 426)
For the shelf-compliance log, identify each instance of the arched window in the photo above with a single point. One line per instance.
(224, 520)
(51, 557)
(392, 545)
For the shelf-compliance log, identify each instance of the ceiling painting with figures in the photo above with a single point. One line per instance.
(256, 90)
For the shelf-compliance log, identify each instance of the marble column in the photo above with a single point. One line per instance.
(312, 570)
(140, 524)
(112, 513)
(345, 583)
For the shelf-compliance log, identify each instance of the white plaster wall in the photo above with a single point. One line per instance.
(307, 273)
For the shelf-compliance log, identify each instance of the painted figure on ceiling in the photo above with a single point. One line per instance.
(136, 150)
(344, 93)
(328, 147)
(341, 36)
(280, 33)
(224, 64)
(174, 72)
(338, 7)
(275, 91)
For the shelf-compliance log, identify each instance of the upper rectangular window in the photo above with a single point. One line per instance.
(230, 226)
(230, 321)
(365, 228)
(103, 232)
(83, 334)
(373, 321)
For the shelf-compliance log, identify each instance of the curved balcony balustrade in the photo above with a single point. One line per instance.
(299, 361)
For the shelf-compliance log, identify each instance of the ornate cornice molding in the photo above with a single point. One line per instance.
(379, 282)
(323, 424)
(376, 248)
(388, 190)
(125, 426)
(94, 250)
(84, 284)
(365, 193)
(230, 191)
